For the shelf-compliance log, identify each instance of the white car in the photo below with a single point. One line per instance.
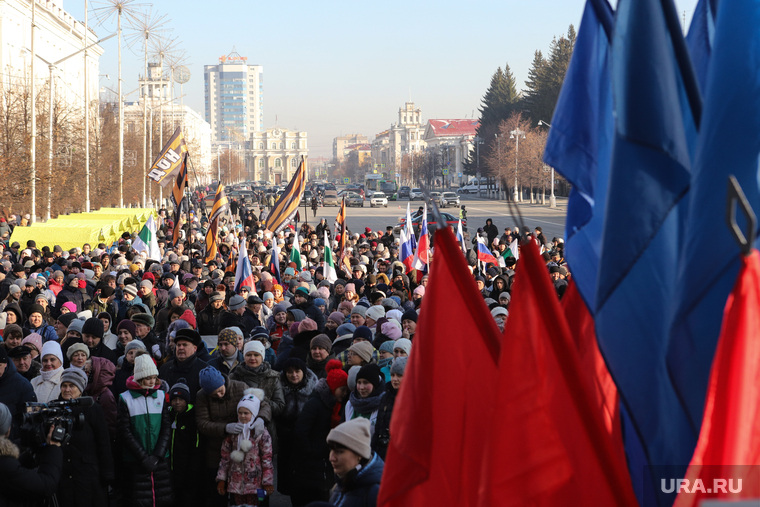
(448, 198)
(378, 199)
(416, 193)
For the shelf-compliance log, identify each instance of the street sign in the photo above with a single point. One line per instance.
(445, 172)
(398, 175)
(459, 175)
(346, 180)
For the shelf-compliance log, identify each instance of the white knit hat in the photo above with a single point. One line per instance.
(353, 435)
(254, 346)
(52, 347)
(144, 367)
(375, 313)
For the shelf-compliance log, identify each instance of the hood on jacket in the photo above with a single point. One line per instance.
(103, 373)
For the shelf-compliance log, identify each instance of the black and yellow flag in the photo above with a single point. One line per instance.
(286, 206)
(340, 228)
(220, 206)
(177, 196)
(169, 160)
(211, 249)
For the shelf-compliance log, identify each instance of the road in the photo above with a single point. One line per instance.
(551, 220)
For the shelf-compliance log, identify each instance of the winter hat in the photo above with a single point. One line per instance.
(144, 367)
(94, 327)
(391, 329)
(336, 377)
(130, 289)
(72, 307)
(188, 317)
(216, 296)
(375, 313)
(350, 287)
(346, 329)
(256, 333)
(360, 310)
(78, 347)
(35, 308)
(399, 365)
(134, 344)
(66, 318)
(180, 390)
(236, 303)
(354, 435)
(267, 295)
(147, 283)
(337, 317)
(372, 374)
(175, 292)
(227, 335)
(144, 318)
(403, 344)
(254, 346)
(419, 290)
(386, 346)
(210, 379)
(363, 349)
(499, 310)
(307, 325)
(251, 402)
(348, 305)
(52, 348)
(322, 341)
(5, 419)
(396, 315)
(128, 325)
(76, 376)
(363, 333)
(324, 293)
(319, 302)
(409, 315)
(188, 335)
(14, 289)
(13, 328)
(389, 303)
(34, 340)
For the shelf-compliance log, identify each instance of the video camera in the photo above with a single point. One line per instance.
(40, 417)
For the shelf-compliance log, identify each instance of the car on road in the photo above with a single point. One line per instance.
(404, 192)
(431, 220)
(330, 198)
(378, 199)
(354, 199)
(416, 193)
(448, 199)
(306, 198)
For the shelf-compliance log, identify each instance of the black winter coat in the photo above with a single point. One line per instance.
(208, 321)
(185, 457)
(26, 486)
(87, 461)
(188, 369)
(311, 311)
(66, 295)
(382, 434)
(15, 391)
(230, 319)
(100, 350)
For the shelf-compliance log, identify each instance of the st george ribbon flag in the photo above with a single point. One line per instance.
(221, 204)
(243, 272)
(439, 462)
(169, 159)
(147, 241)
(285, 207)
(729, 443)
(177, 197)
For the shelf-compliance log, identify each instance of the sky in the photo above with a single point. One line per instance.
(337, 68)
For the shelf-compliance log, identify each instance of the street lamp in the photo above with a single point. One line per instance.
(552, 198)
(516, 135)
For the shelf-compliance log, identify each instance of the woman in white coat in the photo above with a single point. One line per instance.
(47, 385)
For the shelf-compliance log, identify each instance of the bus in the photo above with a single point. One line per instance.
(379, 183)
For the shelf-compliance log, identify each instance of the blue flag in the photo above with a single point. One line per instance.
(580, 141)
(657, 106)
(699, 40)
(729, 143)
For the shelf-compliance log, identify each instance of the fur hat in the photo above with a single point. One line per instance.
(144, 367)
(76, 376)
(144, 318)
(216, 296)
(354, 435)
(78, 347)
(188, 335)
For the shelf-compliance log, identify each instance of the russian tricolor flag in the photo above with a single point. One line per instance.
(274, 262)
(243, 273)
(422, 255)
(484, 254)
(408, 241)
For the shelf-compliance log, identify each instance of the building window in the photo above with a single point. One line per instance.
(293, 162)
(274, 146)
(282, 146)
(261, 146)
(261, 163)
(292, 146)
(277, 162)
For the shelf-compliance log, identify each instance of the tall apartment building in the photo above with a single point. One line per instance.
(234, 94)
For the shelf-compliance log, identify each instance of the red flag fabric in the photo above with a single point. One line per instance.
(548, 443)
(441, 416)
(729, 439)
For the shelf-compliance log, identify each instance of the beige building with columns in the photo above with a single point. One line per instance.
(274, 154)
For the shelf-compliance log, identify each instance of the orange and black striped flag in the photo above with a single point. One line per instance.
(220, 206)
(169, 159)
(340, 228)
(211, 249)
(178, 193)
(286, 206)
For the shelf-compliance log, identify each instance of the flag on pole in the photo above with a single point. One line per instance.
(243, 272)
(439, 462)
(460, 236)
(295, 252)
(169, 159)
(410, 236)
(484, 254)
(220, 205)
(211, 248)
(146, 240)
(422, 254)
(340, 229)
(274, 261)
(329, 268)
(177, 198)
(285, 207)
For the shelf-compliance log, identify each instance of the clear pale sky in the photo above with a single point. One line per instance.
(335, 68)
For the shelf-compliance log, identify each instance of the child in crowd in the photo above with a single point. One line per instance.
(185, 458)
(246, 464)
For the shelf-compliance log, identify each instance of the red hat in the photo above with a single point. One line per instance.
(367, 230)
(188, 317)
(336, 377)
(149, 276)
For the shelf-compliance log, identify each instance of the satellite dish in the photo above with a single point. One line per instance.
(181, 74)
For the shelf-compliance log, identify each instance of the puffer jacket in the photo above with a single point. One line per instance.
(359, 488)
(15, 392)
(45, 330)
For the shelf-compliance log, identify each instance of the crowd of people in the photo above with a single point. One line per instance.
(205, 393)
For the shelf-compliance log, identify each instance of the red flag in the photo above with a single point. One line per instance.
(549, 442)
(441, 415)
(729, 439)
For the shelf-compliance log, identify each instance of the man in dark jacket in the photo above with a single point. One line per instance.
(185, 364)
(491, 231)
(15, 391)
(92, 336)
(208, 318)
(302, 301)
(70, 293)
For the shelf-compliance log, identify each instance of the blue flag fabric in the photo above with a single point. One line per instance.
(699, 40)
(729, 143)
(656, 113)
(580, 142)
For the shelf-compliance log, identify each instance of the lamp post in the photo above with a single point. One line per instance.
(552, 198)
(478, 142)
(516, 134)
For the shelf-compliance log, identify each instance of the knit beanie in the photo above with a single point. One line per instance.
(391, 329)
(52, 348)
(130, 289)
(210, 379)
(254, 346)
(409, 315)
(386, 346)
(319, 302)
(267, 295)
(128, 325)
(399, 365)
(227, 335)
(336, 377)
(363, 333)
(5, 419)
(71, 307)
(396, 315)
(363, 349)
(76, 376)
(34, 340)
(307, 324)
(346, 329)
(93, 326)
(372, 374)
(337, 317)
(13, 329)
(419, 290)
(134, 344)
(78, 347)
(236, 303)
(76, 325)
(322, 341)
(352, 373)
(375, 313)
(188, 317)
(180, 390)
(360, 310)
(403, 344)
(144, 367)
(66, 318)
(353, 435)
(250, 402)
(347, 305)
(35, 308)
(324, 293)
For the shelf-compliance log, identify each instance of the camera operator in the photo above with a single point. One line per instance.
(22, 486)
